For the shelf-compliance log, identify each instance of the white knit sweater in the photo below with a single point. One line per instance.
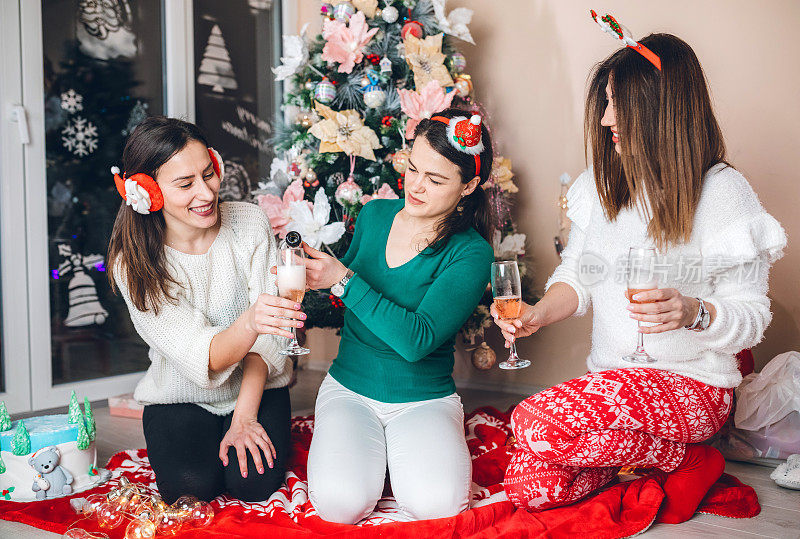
(726, 262)
(217, 287)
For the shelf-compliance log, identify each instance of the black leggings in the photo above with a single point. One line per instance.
(183, 447)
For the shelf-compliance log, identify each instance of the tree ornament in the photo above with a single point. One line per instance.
(343, 11)
(464, 85)
(412, 28)
(390, 14)
(483, 357)
(386, 65)
(374, 97)
(21, 442)
(91, 425)
(345, 42)
(348, 193)
(5, 418)
(325, 92)
(310, 179)
(109, 516)
(427, 61)
(400, 160)
(304, 119)
(458, 61)
(326, 10)
(309, 85)
(139, 528)
(344, 131)
(423, 103)
(455, 23)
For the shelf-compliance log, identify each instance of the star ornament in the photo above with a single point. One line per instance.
(345, 42)
(423, 104)
(343, 131)
(426, 60)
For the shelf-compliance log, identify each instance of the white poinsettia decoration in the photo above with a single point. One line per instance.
(137, 197)
(312, 224)
(456, 22)
(510, 247)
(295, 50)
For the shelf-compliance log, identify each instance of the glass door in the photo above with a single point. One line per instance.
(92, 72)
(14, 139)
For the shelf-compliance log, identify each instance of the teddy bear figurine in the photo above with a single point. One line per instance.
(51, 480)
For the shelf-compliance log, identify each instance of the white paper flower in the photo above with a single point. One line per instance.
(137, 197)
(312, 224)
(295, 49)
(510, 247)
(456, 22)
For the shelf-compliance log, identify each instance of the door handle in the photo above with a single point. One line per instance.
(20, 115)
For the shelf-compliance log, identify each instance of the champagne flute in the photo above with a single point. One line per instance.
(641, 277)
(292, 283)
(507, 292)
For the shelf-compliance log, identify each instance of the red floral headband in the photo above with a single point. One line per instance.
(464, 134)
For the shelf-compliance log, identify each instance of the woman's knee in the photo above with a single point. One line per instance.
(255, 487)
(175, 482)
(434, 500)
(343, 504)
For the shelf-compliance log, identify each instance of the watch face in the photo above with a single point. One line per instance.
(337, 289)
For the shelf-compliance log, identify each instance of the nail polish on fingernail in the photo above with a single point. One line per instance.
(299, 324)
(261, 470)
(629, 307)
(244, 474)
(303, 316)
(271, 465)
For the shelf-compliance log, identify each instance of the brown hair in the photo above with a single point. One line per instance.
(136, 250)
(476, 212)
(669, 137)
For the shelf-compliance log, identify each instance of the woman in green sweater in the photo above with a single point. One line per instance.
(415, 271)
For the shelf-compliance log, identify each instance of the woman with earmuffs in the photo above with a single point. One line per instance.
(194, 273)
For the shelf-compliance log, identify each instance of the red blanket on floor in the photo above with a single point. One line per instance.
(622, 510)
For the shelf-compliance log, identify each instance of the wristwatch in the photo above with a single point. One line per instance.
(702, 320)
(338, 289)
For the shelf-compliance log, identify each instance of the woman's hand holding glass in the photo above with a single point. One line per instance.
(270, 315)
(528, 323)
(666, 307)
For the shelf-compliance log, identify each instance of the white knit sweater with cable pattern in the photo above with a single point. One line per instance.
(726, 263)
(216, 288)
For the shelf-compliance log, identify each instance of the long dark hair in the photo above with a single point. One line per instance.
(475, 212)
(669, 136)
(137, 241)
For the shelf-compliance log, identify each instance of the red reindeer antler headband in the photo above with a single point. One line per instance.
(464, 134)
(142, 193)
(609, 24)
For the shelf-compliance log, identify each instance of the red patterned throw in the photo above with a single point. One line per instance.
(622, 510)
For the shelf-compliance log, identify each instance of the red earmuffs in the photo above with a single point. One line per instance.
(141, 192)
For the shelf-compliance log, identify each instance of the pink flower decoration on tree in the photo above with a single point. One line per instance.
(277, 209)
(419, 106)
(384, 192)
(345, 44)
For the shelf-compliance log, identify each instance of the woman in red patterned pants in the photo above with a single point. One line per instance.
(715, 244)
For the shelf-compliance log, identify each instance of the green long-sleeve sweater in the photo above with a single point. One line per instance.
(401, 323)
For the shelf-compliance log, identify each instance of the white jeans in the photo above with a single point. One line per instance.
(355, 438)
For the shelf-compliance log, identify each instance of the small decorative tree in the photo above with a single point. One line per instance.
(75, 413)
(91, 426)
(5, 419)
(21, 443)
(2, 465)
(83, 436)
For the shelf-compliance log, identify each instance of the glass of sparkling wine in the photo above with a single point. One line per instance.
(507, 292)
(292, 286)
(641, 276)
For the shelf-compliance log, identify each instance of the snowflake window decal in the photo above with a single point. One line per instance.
(71, 101)
(80, 136)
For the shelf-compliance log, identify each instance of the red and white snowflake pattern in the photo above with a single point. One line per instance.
(626, 417)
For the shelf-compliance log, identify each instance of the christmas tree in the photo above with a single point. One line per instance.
(83, 436)
(2, 465)
(215, 67)
(357, 91)
(91, 426)
(21, 443)
(5, 419)
(75, 414)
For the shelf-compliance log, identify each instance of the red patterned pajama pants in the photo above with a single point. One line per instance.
(573, 438)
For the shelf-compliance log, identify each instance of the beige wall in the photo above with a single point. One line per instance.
(530, 68)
